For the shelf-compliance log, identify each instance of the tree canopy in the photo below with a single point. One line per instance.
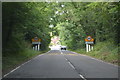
(78, 20)
(71, 21)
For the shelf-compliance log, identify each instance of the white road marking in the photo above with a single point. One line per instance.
(74, 69)
(11, 71)
(71, 65)
(82, 77)
(98, 60)
(66, 59)
(20, 66)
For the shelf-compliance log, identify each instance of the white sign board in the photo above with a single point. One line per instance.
(89, 42)
(36, 42)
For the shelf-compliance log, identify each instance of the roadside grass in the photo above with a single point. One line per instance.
(10, 62)
(105, 51)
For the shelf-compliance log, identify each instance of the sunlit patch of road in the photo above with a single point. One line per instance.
(57, 47)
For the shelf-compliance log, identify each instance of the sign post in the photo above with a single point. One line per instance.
(87, 47)
(89, 41)
(36, 42)
(92, 47)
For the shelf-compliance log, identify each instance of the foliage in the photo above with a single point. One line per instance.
(22, 22)
(105, 51)
(12, 61)
(99, 20)
(71, 21)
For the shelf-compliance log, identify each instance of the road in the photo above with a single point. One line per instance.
(64, 64)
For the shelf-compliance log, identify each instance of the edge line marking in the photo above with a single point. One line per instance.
(20, 66)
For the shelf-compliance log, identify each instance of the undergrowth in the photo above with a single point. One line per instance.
(11, 61)
(105, 51)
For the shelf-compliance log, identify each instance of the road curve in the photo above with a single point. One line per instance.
(64, 64)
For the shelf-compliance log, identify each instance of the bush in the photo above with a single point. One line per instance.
(106, 51)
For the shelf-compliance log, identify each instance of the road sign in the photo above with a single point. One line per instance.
(36, 40)
(36, 43)
(89, 41)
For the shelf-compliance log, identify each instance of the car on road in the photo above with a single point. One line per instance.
(63, 47)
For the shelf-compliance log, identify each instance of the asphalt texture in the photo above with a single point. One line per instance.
(64, 64)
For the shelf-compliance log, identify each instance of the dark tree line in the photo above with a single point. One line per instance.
(72, 22)
(23, 21)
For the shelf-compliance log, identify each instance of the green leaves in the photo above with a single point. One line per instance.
(72, 21)
(98, 19)
(28, 20)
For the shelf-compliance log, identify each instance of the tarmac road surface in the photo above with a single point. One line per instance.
(64, 64)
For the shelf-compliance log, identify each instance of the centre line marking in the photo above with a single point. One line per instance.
(66, 59)
(71, 65)
(82, 77)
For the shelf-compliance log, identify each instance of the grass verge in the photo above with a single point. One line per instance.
(105, 51)
(10, 62)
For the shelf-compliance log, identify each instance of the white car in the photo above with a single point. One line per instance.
(63, 47)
